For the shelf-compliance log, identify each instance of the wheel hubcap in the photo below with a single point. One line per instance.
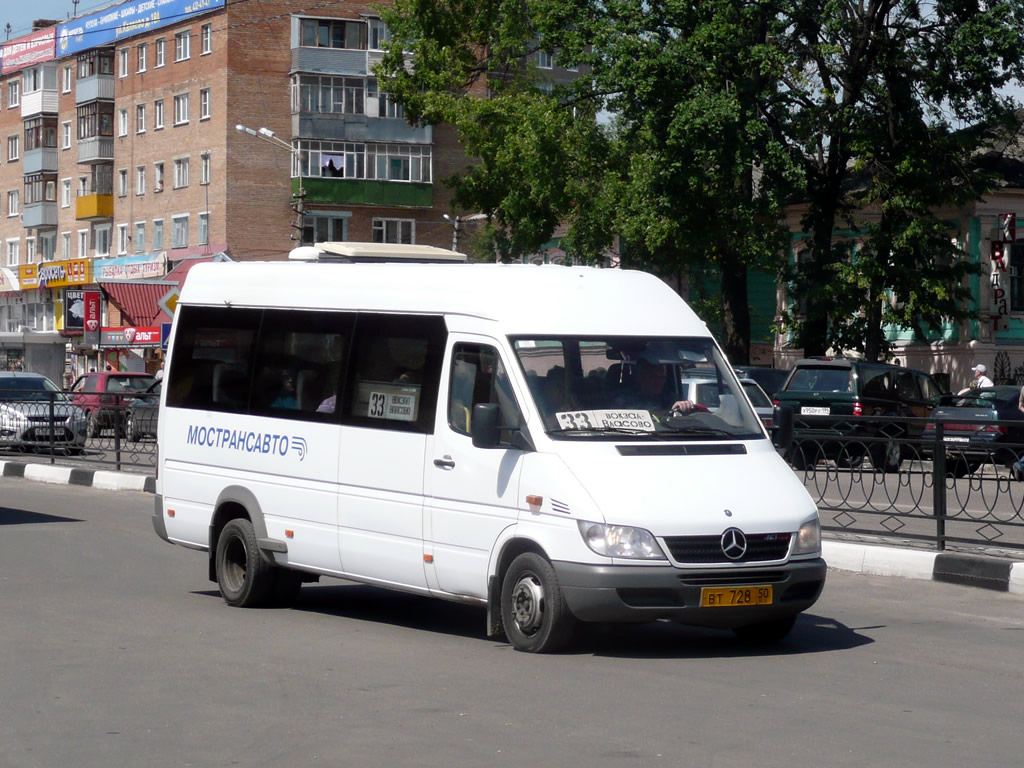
(234, 564)
(528, 603)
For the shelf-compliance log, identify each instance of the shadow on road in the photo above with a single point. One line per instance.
(9, 516)
(658, 640)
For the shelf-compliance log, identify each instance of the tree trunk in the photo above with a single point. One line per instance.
(735, 311)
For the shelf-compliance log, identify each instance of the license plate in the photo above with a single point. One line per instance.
(815, 410)
(42, 433)
(948, 439)
(723, 597)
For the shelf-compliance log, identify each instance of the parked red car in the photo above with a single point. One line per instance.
(102, 394)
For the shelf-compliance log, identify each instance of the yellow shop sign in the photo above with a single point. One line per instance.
(55, 274)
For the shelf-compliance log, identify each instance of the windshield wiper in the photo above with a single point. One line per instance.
(698, 430)
(600, 431)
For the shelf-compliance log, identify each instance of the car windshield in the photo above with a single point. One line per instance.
(20, 388)
(129, 383)
(592, 388)
(820, 380)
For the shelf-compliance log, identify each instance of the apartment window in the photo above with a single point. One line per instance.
(30, 250)
(13, 92)
(140, 180)
(65, 193)
(65, 135)
(379, 34)
(83, 243)
(394, 231)
(95, 119)
(158, 177)
(83, 185)
(161, 46)
(338, 95)
(140, 56)
(101, 235)
(398, 162)
(204, 168)
(158, 234)
(96, 62)
(333, 33)
(122, 122)
(181, 172)
(204, 103)
(205, 39)
(66, 78)
(386, 106)
(140, 236)
(40, 188)
(47, 246)
(122, 62)
(543, 60)
(12, 253)
(386, 162)
(12, 202)
(158, 114)
(65, 245)
(181, 45)
(204, 229)
(13, 148)
(122, 182)
(140, 118)
(181, 109)
(40, 133)
(122, 239)
(324, 227)
(180, 231)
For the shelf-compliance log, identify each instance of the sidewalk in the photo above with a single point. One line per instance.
(1003, 574)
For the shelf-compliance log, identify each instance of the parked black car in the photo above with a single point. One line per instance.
(968, 446)
(859, 390)
(770, 379)
(143, 413)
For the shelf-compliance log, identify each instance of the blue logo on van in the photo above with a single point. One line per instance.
(248, 442)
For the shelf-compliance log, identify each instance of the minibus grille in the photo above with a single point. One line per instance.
(708, 549)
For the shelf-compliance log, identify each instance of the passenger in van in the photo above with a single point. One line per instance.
(649, 390)
(287, 397)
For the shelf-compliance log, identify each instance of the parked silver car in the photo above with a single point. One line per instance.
(26, 419)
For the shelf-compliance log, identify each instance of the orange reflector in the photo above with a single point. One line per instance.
(428, 558)
(535, 501)
(289, 534)
(170, 513)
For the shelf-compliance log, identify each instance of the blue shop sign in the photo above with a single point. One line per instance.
(126, 20)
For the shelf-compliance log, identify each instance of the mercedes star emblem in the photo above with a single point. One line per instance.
(734, 543)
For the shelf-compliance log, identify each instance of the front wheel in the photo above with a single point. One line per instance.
(92, 424)
(533, 608)
(886, 457)
(244, 575)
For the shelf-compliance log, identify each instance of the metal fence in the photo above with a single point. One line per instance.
(118, 434)
(916, 479)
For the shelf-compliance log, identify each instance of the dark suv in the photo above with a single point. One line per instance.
(835, 386)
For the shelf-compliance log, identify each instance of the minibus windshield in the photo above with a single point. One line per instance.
(589, 387)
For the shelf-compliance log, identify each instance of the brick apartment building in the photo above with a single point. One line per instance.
(121, 161)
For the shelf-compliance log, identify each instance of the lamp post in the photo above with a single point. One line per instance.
(270, 137)
(456, 222)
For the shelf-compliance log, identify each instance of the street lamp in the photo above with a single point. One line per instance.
(456, 222)
(270, 137)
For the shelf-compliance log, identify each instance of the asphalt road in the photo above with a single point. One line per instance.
(116, 651)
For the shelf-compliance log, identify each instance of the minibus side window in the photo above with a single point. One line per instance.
(211, 363)
(300, 359)
(395, 371)
(479, 376)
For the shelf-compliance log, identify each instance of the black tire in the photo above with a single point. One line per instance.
(798, 458)
(886, 457)
(960, 466)
(765, 632)
(92, 425)
(533, 608)
(244, 574)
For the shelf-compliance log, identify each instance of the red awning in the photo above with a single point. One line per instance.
(139, 302)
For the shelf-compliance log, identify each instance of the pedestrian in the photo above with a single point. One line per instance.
(1017, 470)
(159, 371)
(980, 379)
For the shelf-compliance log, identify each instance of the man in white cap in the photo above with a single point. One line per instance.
(980, 379)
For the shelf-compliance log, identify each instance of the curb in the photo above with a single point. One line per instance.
(95, 478)
(995, 573)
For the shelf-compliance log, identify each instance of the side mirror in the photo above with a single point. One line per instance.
(485, 425)
(782, 427)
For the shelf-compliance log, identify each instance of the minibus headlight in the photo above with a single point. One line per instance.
(620, 541)
(808, 538)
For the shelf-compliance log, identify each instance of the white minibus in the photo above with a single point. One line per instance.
(511, 436)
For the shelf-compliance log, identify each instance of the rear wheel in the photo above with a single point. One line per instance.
(244, 575)
(960, 466)
(887, 457)
(92, 424)
(533, 608)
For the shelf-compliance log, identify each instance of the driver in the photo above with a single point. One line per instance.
(649, 389)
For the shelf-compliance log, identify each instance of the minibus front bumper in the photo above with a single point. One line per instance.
(625, 593)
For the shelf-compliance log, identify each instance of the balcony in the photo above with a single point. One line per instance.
(339, 127)
(366, 192)
(94, 88)
(97, 149)
(42, 160)
(92, 207)
(41, 102)
(42, 215)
